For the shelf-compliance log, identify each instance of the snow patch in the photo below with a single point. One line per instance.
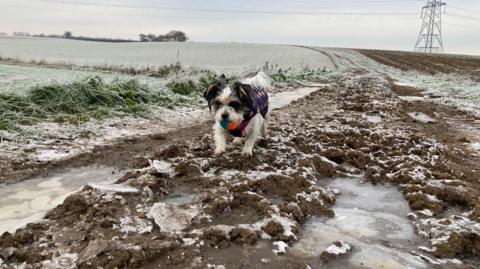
(421, 117)
(280, 247)
(344, 248)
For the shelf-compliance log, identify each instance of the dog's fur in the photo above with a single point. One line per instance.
(231, 102)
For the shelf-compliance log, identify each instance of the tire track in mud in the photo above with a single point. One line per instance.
(330, 57)
(196, 210)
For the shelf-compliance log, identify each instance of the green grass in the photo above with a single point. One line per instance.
(78, 102)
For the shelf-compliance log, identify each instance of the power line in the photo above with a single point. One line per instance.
(463, 16)
(463, 26)
(210, 10)
(331, 1)
(202, 18)
(464, 9)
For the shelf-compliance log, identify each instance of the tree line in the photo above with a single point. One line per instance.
(172, 36)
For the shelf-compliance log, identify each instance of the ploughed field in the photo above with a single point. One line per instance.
(432, 64)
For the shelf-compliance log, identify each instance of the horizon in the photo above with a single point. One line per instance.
(363, 24)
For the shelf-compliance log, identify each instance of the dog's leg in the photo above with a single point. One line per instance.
(264, 130)
(252, 138)
(265, 127)
(220, 139)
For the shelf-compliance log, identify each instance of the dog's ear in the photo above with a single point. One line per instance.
(211, 93)
(244, 93)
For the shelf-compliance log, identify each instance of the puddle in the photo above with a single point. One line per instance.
(285, 98)
(370, 218)
(29, 200)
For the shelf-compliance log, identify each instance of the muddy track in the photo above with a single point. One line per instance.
(124, 154)
(192, 210)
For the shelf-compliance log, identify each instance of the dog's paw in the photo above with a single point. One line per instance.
(247, 153)
(237, 141)
(219, 151)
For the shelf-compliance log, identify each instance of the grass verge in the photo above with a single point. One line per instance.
(79, 101)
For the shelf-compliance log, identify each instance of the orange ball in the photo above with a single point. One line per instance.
(233, 125)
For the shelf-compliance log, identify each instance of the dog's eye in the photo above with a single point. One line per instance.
(235, 105)
(218, 103)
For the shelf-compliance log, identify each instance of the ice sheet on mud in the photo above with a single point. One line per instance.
(372, 219)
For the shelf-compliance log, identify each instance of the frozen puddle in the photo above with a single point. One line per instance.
(29, 200)
(372, 219)
(282, 99)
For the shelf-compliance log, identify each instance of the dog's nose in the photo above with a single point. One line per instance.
(224, 115)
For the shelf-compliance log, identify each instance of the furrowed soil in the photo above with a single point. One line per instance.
(431, 64)
(189, 209)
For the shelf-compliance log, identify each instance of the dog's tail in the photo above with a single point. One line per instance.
(262, 80)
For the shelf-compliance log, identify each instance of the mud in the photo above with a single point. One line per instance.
(236, 212)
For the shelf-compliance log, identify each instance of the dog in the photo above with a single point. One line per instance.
(245, 103)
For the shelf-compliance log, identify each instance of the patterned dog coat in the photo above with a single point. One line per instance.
(260, 105)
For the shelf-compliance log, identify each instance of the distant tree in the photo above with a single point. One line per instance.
(67, 35)
(152, 37)
(177, 36)
(143, 38)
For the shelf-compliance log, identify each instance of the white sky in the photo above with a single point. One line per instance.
(216, 24)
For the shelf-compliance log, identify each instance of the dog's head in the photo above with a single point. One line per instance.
(229, 102)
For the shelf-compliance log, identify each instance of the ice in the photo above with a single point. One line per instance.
(284, 98)
(421, 117)
(28, 201)
(52, 155)
(372, 219)
(110, 187)
(171, 218)
(94, 248)
(65, 261)
(162, 167)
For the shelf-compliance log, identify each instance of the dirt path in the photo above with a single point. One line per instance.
(125, 153)
(192, 210)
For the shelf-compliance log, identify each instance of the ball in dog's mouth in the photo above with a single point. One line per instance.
(230, 125)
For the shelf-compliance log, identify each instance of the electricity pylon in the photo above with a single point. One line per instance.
(430, 37)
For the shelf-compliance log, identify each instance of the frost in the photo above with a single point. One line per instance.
(136, 225)
(280, 247)
(421, 117)
(475, 146)
(338, 250)
(65, 261)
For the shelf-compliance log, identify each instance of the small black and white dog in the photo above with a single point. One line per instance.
(241, 111)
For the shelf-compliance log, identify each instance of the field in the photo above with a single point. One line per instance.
(371, 160)
(221, 57)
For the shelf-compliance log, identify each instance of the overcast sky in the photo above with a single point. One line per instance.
(270, 21)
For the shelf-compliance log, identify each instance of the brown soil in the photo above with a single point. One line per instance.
(122, 154)
(428, 63)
